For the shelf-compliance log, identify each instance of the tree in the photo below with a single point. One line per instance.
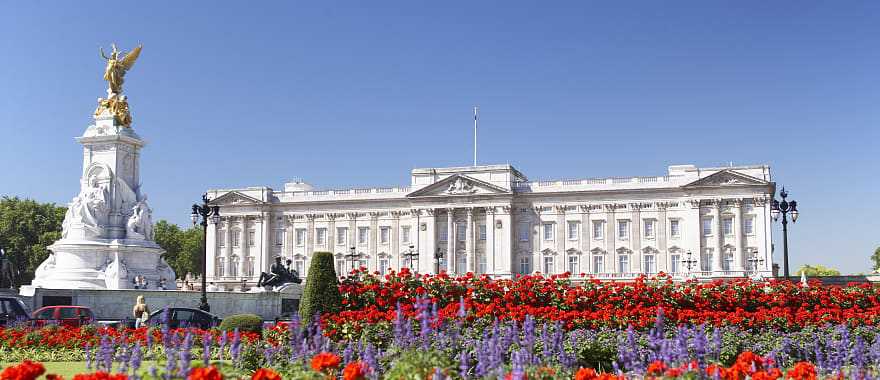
(817, 270)
(26, 229)
(876, 258)
(321, 293)
(183, 248)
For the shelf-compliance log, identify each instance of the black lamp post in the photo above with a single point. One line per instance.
(785, 207)
(354, 256)
(437, 256)
(754, 260)
(689, 262)
(205, 211)
(412, 255)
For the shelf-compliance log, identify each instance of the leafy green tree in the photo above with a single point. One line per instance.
(321, 293)
(876, 258)
(26, 229)
(183, 248)
(817, 270)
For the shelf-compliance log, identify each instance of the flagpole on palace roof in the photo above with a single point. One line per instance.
(476, 109)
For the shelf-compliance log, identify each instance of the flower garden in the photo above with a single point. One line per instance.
(437, 327)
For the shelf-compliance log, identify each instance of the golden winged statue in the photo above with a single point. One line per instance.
(117, 65)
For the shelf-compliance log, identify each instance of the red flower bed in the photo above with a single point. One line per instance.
(77, 337)
(367, 299)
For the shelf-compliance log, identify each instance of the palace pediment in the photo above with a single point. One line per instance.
(458, 185)
(726, 178)
(235, 198)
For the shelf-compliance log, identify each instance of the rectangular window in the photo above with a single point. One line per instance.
(707, 227)
(727, 226)
(481, 264)
(650, 267)
(221, 267)
(444, 234)
(340, 268)
(623, 264)
(706, 261)
(573, 267)
(525, 265)
(233, 266)
(251, 238)
(461, 264)
(674, 228)
(598, 264)
(649, 228)
(300, 267)
(749, 225)
(461, 231)
(236, 238)
(383, 266)
(363, 235)
(249, 266)
(483, 232)
(384, 234)
(623, 229)
(675, 261)
(548, 265)
(341, 235)
(598, 229)
(548, 231)
(727, 264)
(404, 234)
(573, 230)
(320, 236)
(523, 232)
(300, 237)
(279, 237)
(221, 238)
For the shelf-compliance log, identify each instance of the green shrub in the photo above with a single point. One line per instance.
(321, 294)
(243, 322)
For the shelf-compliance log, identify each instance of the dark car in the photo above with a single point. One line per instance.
(12, 310)
(71, 316)
(178, 317)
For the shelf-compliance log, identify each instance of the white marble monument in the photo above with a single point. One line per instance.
(107, 237)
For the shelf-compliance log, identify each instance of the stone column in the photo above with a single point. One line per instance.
(738, 254)
(245, 248)
(490, 251)
(636, 238)
(561, 238)
(265, 247)
(451, 247)
(505, 252)
(610, 238)
(763, 232)
(426, 254)
(660, 236)
(310, 242)
(719, 235)
(586, 239)
(469, 244)
(395, 240)
(353, 234)
(211, 252)
(373, 263)
(692, 235)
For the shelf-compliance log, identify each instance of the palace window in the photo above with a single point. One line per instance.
(340, 267)
(221, 267)
(573, 229)
(363, 235)
(623, 229)
(300, 237)
(573, 267)
(523, 229)
(548, 231)
(300, 267)
(236, 238)
(674, 228)
(341, 235)
(598, 264)
(383, 266)
(706, 260)
(548, 265)
(233, 266)
(279, 238)
(598, 229)
(320, 236)
(649, 228)
(525, 265)
(249, 266)
(461, 263)
(481, 263)
(727, 226)
(728, 261)
(221, 238)
(749, 225)
(461, 231)
(251, 238)
(404, 234)
(483, 232)
(707, 226)
(384, 235)
(675, 262)
(444, 234)
(623, 264)
(650, 266)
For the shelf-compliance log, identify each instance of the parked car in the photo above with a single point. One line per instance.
(71, 316)
(184, 317)
(12, 310)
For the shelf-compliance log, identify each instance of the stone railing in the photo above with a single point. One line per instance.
(597, 183)
(344, 194)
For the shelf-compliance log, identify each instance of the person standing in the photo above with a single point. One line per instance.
(141, 312)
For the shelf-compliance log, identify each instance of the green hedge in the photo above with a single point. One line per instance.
(243, 322)
(321, 294)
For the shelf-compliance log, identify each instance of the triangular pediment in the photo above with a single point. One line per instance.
(234, 198)
(458, 185)
(727, 178)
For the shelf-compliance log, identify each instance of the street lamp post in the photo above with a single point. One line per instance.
(754, 260)
(205, 211)
(689, 263)
(354, 257)
(411, 255)
(437, 256)
(785, 207)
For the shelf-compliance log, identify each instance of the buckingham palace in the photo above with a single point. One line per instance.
(491, 219)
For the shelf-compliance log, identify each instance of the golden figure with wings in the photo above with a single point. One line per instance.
(117, 65)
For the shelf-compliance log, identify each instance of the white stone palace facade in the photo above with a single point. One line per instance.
(691, 222)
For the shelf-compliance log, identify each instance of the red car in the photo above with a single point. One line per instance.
(72, 316)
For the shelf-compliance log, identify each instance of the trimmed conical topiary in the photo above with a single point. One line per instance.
(321, 294)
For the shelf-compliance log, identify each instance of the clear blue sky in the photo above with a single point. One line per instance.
(356, 94)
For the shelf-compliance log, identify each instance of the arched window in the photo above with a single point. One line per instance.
(233, 266)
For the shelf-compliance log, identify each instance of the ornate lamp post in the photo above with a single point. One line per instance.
(689, 262)
(785, 207)
(412, 255)
(754, 260)
(354, 257)
(205, 211)
(437, 256)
